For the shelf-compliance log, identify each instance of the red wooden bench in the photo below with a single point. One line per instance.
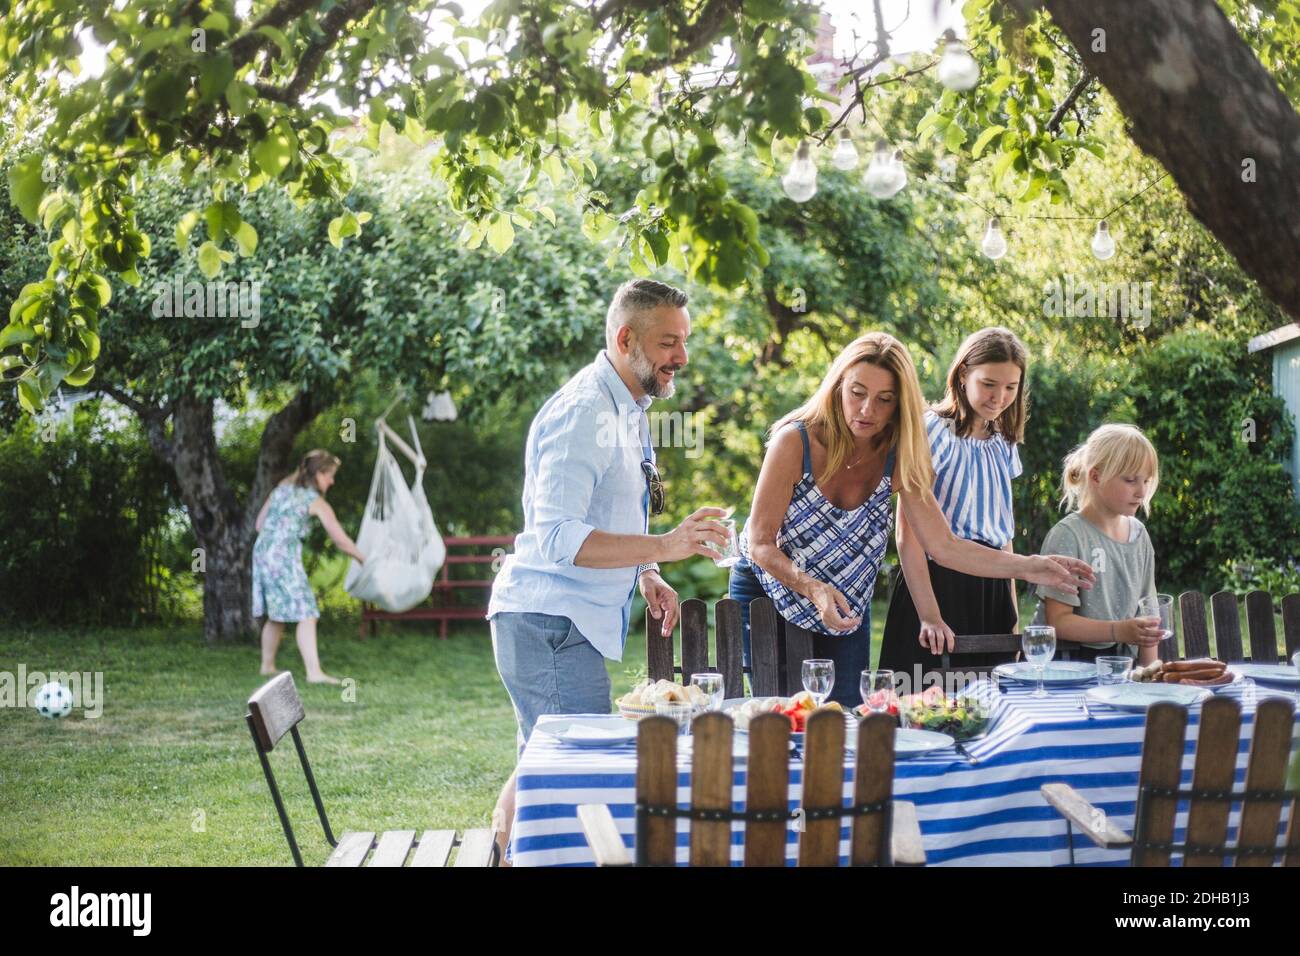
(444, 603)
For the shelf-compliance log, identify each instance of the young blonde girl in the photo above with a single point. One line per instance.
(281, 592)
(1106, 480)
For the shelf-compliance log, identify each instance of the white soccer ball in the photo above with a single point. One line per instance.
(53, 700)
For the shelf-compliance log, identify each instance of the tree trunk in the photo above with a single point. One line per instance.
(217, 520)
(1200, 103)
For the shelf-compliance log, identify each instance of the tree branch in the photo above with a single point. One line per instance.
(153, 417)
(331, 27)
(1080, 85)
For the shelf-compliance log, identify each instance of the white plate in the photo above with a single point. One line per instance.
(909, 742)
(1137, 698)
(1056, 672)
(1282, 675)
(591, 731)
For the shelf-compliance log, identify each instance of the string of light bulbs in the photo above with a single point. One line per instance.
(886, 176)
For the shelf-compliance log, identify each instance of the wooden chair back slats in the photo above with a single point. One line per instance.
(1162, 762)
(658, 650)
(823, 787)
(1262, 630)
(656, 785)
(1216, 766)
(798, 648)
(711, 788)
(1270, 749)
(873, 783)
(764, 648)
(1196, 634)
(276, 709)
(1227, 627)
(768, 789)
(728, 634)
(695, 638)
(1291, 623)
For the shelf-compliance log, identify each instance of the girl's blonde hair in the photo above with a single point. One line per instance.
(312, 464)
(987, 346)
(1114, 450)
(906, 432)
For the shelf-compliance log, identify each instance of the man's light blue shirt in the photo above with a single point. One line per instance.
(582, 472)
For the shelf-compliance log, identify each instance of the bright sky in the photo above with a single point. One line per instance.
(913, 24)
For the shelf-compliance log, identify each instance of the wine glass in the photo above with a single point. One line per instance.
(711, 683)
(873, 685)
(1039, 644)
(818, 678)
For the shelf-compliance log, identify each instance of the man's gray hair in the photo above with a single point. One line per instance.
(633, 299)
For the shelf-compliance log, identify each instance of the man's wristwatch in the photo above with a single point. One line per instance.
(641, 569)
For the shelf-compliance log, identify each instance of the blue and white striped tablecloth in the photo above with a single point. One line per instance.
(986, 813)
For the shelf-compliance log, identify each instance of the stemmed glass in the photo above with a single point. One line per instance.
(1039, 644)
(711, 683)
(871, 684)
(818, 678)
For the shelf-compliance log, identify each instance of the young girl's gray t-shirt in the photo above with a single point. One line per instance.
(1126, 570)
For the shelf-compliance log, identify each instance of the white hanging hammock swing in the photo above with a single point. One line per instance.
(398, 537)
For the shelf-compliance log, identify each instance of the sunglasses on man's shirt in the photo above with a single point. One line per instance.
(655, 486)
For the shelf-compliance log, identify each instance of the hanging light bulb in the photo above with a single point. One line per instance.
(800, 182)
(1103, 245)
(957, 69)
(995, 244)
(845, 156)
(882, 176)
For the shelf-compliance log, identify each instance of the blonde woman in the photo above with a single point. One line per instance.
(1105, 481)
(821, 514)
(281, 592)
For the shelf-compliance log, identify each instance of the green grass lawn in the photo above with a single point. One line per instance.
(168, 775)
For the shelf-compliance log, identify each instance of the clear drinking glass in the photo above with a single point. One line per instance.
(1160, 606)
(679, 710)
(1113, 670)
(1039, 644)
(711, 683)
(818, 678)
(873, 686)
(730, 555)
(1295, 662)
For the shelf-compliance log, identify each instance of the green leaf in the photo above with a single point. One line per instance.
(29, 396)
(238, 96)
(501, 234)
(26, 187)
(82, 377)
(246, 239)
(15, 335)
(984, 139)
(274, 152)
(278, 38)
(953, 137)
(1003, 164)
(165, 94)
(209, 259)
(215, 76)
(184, 228)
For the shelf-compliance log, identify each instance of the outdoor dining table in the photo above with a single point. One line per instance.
(977, 808)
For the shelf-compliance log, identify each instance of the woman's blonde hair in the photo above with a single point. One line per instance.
(1113, 450)
(905, 432)
(987, 346)
(312, 464)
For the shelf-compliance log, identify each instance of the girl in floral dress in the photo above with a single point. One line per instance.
(281, 592)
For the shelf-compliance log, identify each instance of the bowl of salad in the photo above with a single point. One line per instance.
(961, 718)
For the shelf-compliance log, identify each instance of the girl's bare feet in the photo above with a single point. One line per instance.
(322, 678)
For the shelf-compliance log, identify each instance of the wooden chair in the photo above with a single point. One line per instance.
(1211, 796)
(276, 709)
(884, 830)
(1260, 622)
(777, 648)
